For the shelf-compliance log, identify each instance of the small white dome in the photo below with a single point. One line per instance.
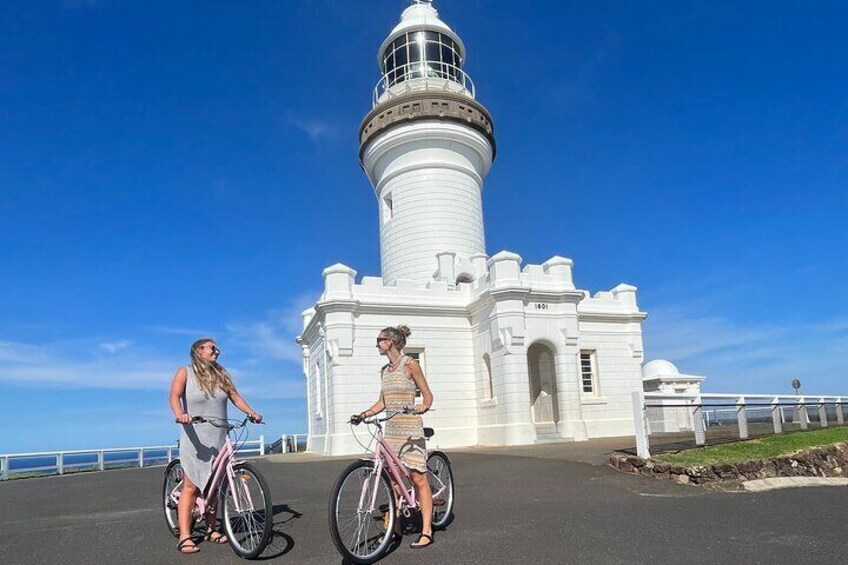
(659, 368)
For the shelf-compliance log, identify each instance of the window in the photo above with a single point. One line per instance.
(318, 411)
(388, 207)
(488, 389)
(421, 54)
(588, 372)
(417, 353)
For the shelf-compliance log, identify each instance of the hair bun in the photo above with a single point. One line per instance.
(404, 330)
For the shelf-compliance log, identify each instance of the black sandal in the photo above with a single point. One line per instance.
(181, 546)
(220, 540)
(419, 545)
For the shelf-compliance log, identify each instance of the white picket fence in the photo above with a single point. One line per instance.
(690, 416)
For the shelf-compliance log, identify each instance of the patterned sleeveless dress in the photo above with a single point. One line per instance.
(405, 432)
(200, 443)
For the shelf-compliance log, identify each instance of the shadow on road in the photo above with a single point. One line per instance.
(281, 543)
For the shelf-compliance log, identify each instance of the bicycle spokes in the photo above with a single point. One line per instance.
(247, 511)
(362, 512)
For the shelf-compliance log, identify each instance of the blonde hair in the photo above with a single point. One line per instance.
(209, 374)
(398, 335)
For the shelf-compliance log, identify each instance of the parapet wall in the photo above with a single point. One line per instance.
(502, 271)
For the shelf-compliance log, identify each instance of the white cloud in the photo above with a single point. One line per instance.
(269, 360)
(738, 357)
(52, 364)
(180, 331)
(275, 336)
(316, 129)
(115, 346)
(11, 352)
(264, 339)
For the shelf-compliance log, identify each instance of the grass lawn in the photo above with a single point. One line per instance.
(762, 448)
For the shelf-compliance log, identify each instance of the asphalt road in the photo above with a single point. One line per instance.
(534, 506)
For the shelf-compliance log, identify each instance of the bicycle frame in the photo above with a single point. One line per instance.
(385, 458)
(222, 467)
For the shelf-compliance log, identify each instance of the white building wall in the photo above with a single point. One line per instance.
(449, 367)
(502, 314)
(609, 412)
(316, 410)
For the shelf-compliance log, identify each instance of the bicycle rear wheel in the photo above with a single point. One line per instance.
(440, 477)
(248, 512)
(173, 480)
(362, 513)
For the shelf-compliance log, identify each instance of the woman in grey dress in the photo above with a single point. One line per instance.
(202, 388)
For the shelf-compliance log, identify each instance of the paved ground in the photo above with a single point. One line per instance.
(548, 504)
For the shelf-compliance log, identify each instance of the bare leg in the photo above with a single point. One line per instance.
(425, 499)
(212, 533)
(188, 497)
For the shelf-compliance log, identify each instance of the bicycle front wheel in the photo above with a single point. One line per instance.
(440, 477)
(171, 487)
(248, 513)
(362, 513)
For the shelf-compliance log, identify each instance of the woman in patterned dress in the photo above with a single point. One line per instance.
(399, 380)
(202, 388)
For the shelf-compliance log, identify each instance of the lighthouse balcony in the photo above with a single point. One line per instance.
(422, 77)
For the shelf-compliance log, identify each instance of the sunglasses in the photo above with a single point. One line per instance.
(214, 348)
(379, 339)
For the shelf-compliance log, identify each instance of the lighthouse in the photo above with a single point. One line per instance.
(426, 146)
(515, 353)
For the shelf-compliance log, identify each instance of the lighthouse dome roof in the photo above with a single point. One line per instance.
(659, 368)
(417, 17)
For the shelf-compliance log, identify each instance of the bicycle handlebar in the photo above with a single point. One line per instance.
(218, 423)
(357, 419)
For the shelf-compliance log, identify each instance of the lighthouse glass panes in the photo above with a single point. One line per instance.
(421, 54)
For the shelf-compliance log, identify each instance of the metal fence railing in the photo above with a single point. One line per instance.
(292, 443)
(19, 465)
(669, 421)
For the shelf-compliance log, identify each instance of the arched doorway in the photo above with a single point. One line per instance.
(544, 410)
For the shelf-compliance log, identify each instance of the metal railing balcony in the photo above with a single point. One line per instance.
(423, 76)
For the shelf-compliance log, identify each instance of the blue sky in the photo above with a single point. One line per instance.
(169, 170)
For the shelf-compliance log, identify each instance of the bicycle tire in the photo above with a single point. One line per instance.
(440, 472)
(361, 548)
(248, 530)
(172, 478)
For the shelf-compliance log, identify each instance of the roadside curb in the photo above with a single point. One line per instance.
(821, 462)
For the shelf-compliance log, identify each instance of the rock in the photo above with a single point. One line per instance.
(681, 479)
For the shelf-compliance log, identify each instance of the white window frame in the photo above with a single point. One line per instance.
(488, 399)
(417, 353)
(388, 208)
(594, 391)
(319, 413)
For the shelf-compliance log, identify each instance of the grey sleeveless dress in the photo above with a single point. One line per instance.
(200, 443)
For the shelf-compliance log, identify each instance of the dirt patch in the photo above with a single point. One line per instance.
(827, 461)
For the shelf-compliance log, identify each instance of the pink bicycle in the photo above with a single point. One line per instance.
(241, 491)
(370, 493)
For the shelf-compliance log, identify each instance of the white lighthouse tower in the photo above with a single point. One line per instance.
(427, 146)
(514, 353)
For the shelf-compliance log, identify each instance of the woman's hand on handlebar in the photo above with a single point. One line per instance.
(183, 418)
(255, 417)
(356, 419)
